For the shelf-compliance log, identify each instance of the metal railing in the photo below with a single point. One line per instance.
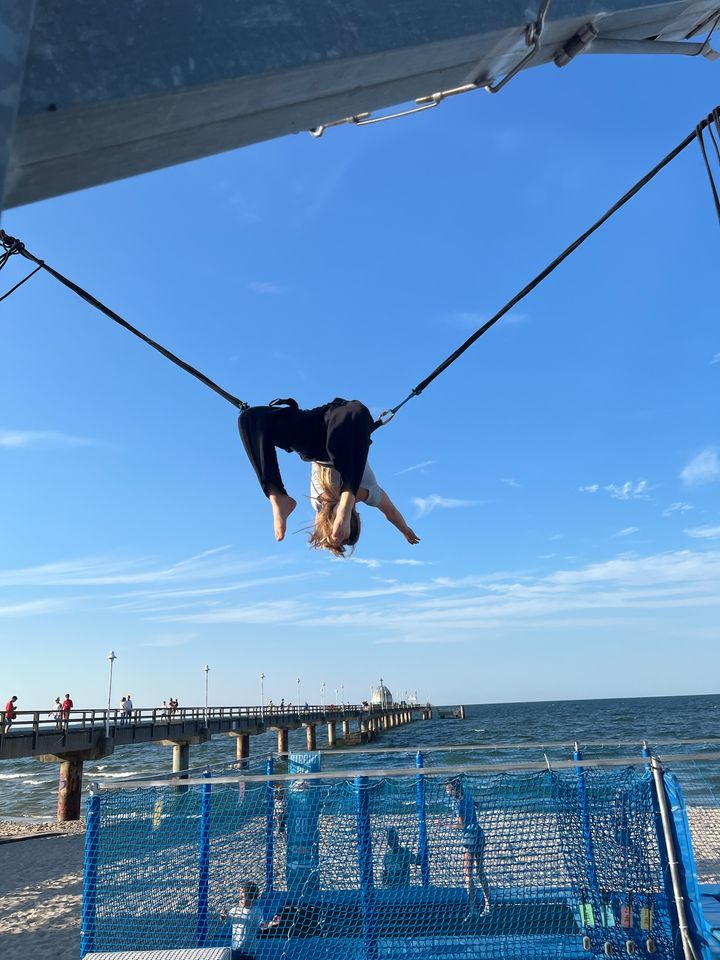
(40, 721)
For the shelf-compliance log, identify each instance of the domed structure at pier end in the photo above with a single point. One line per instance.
(381, 696)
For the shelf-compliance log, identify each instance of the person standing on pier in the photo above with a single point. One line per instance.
(67, 706)
(57, 713)
(10, 713)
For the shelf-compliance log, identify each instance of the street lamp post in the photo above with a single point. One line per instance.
(342, 695)
(297, 701)
(322, 695)
(112, 658)
(206, 668)
(262, 696)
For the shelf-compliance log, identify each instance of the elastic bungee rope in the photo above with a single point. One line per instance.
(12, 246)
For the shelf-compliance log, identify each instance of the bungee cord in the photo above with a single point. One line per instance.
(712, 118)
(12, 246)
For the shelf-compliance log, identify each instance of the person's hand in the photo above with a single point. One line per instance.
(223, 915)
(275, 920)
(411, 536)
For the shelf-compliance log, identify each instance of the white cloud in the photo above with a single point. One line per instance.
(31, 608)
(509, 482)
(426, 505)
(704, 533)
(704, 468)
(628, 491)
(627, 531)
(417, 466)
(715, 359)
(264, 287)
(590, 488)
(677, 508)
(39, 439)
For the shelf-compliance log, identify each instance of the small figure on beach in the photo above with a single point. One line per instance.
(164, 710)
(246, 921)
(335, 438)
(173, 706)
(397, 861)
(67, 706)
(10, 713)
(473, 842)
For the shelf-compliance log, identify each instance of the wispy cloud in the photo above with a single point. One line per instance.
(426, 505)
(627, 531)
(715, 359)
(31, 608)
(704, 533)
(630, 490)
(704, 468)
(265, 287)
(677, 508)
(104, 571)
(39, 439)
(509, 482)
(416, 466)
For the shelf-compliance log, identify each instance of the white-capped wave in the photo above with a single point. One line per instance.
(108, 776)
(34, 783)
(12, 776)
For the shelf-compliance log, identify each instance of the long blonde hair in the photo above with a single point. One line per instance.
(321, 536)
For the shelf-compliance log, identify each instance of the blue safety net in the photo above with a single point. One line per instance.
(561, 864)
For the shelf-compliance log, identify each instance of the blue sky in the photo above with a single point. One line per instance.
(563, 475)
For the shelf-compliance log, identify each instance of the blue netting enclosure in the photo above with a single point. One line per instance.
(559, 863)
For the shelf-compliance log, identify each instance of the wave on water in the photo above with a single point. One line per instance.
(121, 774)
(12, 776)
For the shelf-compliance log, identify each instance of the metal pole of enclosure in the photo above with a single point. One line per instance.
(689, 952)
(204, 864)
(422, 822)
(90, 870)
(269, 828)
(365, 866)
(594, 892)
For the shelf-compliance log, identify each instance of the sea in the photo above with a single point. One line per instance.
(499, 733)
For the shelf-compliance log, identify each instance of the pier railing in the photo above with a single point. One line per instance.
(44, 720)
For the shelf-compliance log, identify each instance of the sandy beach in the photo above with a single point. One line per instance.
(42, 881)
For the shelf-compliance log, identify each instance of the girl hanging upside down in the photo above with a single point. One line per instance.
(335, 438)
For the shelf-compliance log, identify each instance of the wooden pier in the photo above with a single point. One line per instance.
(94, 734)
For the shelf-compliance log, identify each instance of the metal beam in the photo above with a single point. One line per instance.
(112, 89)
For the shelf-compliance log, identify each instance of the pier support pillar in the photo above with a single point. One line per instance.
(181, 757)
(242, 746)
(462, 712)
(331, 733)
(70, 790)
(282, 740)
(311, 738)
(346, 728)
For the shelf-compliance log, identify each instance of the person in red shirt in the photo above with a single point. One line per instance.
(67, 706)
(10, 712)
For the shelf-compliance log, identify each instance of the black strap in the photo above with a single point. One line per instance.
(12, 246)
(553, 265)
(289, 402)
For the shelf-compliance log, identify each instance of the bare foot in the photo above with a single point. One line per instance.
(282, 506)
